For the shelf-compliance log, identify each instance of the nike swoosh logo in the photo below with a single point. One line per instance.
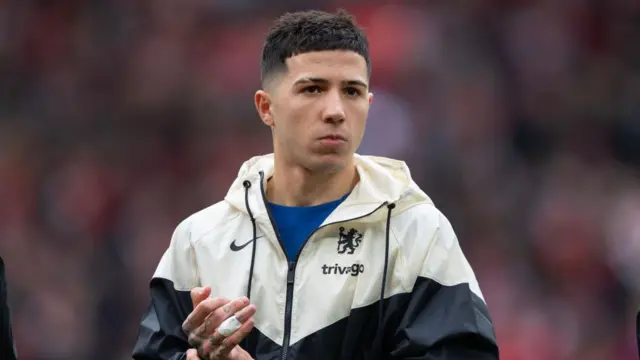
(235, 247)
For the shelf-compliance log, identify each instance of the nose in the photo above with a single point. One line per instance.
(334, 108)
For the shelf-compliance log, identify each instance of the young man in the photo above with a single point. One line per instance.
(328, 254)
(7, 345)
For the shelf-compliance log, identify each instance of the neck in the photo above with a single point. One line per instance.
(297, 186)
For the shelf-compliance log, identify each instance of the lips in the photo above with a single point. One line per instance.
(336, 137)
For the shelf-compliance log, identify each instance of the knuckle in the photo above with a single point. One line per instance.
(211, 304)
(219, 316)
(234, 308)
(224, 347)
(217, 303)
(237, 305)
(213, 355)
(194, 340)
(233, 340)
(187, 326)
(217, 353)
(203, 306)
(218, 300)
(245, 314)
(204, 350)
(228, 306)
(214, 321)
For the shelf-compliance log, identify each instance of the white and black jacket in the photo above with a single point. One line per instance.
(383, 277)
(7, 344)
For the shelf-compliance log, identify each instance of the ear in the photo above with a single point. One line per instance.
(370, 98)
(264, 107)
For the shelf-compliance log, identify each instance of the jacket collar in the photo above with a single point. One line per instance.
(382, 181)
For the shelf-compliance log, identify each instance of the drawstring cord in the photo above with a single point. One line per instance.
(380, 336)
(247, 185)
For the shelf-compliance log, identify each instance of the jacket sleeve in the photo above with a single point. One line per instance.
(7, 344)
(160, 335)
(445, 316)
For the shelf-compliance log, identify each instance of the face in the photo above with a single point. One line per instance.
(317, 110)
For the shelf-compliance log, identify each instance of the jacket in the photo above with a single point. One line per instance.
(7, 344)
(383, 277)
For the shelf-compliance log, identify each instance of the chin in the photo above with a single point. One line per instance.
(328, 163)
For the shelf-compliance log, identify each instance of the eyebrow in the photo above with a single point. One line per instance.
(325, 81)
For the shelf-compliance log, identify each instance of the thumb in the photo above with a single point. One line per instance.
(199, 294)
(192, 354)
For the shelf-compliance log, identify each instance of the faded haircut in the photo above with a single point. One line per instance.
(306, 31)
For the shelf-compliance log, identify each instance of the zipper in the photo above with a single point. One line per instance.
(291, 272)
(291, 276)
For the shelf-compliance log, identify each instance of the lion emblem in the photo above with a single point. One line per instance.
(348, 241)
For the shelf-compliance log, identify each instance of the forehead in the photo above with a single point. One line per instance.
(332, 64)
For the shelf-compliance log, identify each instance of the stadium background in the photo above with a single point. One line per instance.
(520, 118)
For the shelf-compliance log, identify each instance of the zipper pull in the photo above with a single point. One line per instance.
(291, 273)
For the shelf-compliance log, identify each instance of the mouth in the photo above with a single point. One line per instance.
(333, 137)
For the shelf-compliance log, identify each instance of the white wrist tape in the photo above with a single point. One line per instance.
(229, 326)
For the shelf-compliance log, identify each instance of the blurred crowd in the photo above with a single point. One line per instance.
(520, 118)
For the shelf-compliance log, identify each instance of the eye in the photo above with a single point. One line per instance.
(313, 89)
(351, 91)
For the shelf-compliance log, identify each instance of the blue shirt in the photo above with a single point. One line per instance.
(296, 223)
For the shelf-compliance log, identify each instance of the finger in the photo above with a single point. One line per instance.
(198, 294)
(234, 339)
(242, 316)
(205, 337)
(192, 354)
(197, 316)
(224, 312)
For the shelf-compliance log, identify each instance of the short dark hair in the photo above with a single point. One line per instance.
(306, 31)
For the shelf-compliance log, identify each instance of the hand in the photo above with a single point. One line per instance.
(201, 326)
(236, 354)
